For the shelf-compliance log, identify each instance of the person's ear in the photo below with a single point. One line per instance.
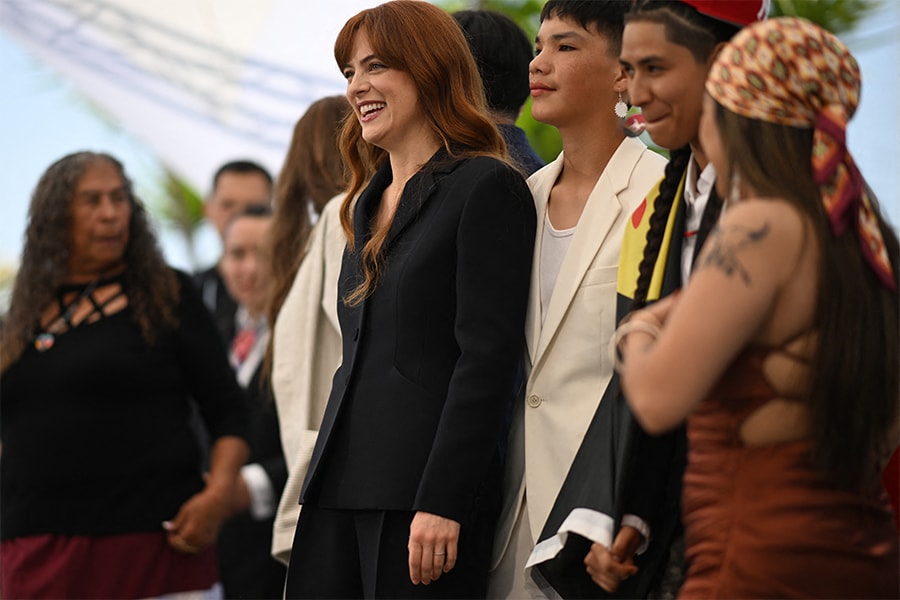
(620, 82)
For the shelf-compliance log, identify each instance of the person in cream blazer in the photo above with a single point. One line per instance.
(583, 200)
(307, 352)
(567, 364)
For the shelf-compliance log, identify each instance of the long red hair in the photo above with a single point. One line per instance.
(422, 40)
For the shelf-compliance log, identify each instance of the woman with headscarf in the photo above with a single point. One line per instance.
(782, 352)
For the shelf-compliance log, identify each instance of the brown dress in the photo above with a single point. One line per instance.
(761, 522)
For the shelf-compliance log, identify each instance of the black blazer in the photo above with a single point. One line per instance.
(416, 412)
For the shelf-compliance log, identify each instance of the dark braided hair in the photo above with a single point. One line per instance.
(709, 219)
(678, 163)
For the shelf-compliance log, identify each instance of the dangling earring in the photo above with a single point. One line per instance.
(621, 109)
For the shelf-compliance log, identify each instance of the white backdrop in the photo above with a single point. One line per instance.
(199, 81)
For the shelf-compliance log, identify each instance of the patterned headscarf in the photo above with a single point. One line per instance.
(792, 72)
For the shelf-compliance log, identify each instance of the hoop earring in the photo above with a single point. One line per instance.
(620, 108)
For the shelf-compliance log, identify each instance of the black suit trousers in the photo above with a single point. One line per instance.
(363, 554)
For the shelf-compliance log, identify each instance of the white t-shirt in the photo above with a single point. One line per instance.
(554, 245)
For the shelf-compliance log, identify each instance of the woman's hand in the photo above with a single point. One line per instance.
(432, 547)
(197, 523)
(608, 568)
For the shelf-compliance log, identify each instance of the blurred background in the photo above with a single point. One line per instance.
(174, 88)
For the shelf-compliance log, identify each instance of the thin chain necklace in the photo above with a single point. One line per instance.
(45, 340)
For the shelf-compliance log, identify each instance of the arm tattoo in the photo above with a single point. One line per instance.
(725, 246)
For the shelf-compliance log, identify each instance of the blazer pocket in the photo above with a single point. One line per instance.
(600, 275)
(415, 384)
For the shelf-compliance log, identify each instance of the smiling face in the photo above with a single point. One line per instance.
(384, 99)
(665, 81)
(243, 266)
(100, 214)
(572, 76)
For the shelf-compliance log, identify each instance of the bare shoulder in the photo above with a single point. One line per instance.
(764, 234)
(784, 215)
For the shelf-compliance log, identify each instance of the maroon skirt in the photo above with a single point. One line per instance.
(138, 565)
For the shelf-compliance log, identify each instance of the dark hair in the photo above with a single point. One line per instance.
(700, 34)
(502, 52)
(853, 397)
(684, 25)
(607, 17)
(151, 285)
(422, 40)
(312, 174)
(242, 167)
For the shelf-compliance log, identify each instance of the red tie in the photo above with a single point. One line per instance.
(242, 343)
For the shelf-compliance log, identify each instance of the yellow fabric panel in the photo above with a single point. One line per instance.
(636, 238)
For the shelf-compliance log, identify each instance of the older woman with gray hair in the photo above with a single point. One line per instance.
(104, 347)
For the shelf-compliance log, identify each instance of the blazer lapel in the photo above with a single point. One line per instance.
(540, 183)
(415, 194)
(600, 214)
(367, 206)
(351, 318)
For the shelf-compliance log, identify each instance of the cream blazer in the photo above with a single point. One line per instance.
(307, 352)
(567, 364)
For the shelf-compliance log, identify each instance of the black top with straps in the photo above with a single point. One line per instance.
(95, 431)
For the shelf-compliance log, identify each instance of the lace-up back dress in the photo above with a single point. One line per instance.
(761, 521)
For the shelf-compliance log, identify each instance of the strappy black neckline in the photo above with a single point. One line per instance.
(84, 291)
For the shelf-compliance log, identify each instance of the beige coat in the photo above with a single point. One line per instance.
(307, 352)
(568, 365)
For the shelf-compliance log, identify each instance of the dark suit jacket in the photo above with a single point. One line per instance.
(415, 416)
(217, 300)
(245, 544)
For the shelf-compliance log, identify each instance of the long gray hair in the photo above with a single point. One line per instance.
(151, 285)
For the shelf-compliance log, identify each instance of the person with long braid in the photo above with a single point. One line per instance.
(782, 351)
(667, 49)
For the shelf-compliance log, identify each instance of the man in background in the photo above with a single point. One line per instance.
(236, 185)
(246, 565)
